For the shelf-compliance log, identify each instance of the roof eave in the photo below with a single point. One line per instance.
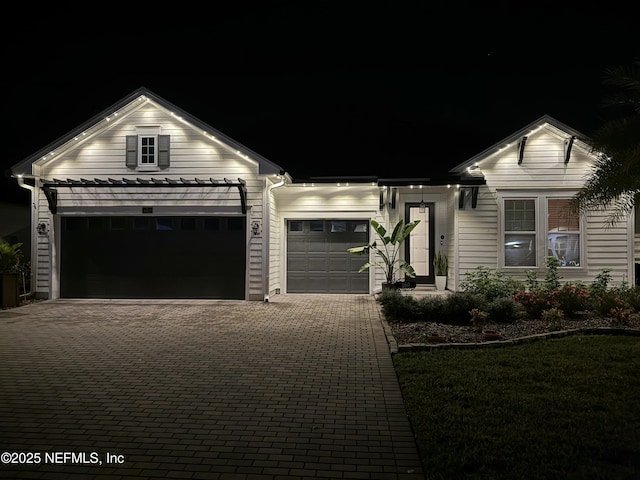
(514, 137)
(265, 166)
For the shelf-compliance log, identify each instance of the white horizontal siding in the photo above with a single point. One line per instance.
(542, 167)
(477, 234)
(305, 200)
(193, 155)
(607, 248)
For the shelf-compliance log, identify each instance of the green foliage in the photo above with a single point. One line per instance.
(605, 302)
(452, 309)
(478, 317)
(621, 315)
(631, 297)
(571, 299)
(10, 257)
(490, 284)
(503, 310)
(554, 317)
(551, 278)
(534, 302)
(601, 282)
(457, 306)
(432, 309)
(490, 292)
(387, 250)
(440, 264)
(614, 181)
(532, 281)
(396, 306)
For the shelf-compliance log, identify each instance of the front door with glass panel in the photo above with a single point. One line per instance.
(419, 248)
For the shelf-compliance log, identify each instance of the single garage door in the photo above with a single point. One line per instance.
(317, 257)
(153, 257)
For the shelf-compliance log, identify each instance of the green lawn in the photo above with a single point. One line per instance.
(567, 408)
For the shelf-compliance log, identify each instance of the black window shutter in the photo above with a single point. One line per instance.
(132, 151)
(163, 150)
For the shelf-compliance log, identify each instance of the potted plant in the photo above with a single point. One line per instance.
(10, 256)
(387, 250)
(441, 267)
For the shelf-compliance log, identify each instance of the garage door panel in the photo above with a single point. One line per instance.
(297, 264)
(316, 244)
(129, 257)
(339, 265)
(327, 266)
(297, 244)
(356, 261)
(317, 264)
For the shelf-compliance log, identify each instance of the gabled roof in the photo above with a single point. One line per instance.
(265, 166)
(545, 119)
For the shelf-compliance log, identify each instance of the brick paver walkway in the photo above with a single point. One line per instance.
(300, 387)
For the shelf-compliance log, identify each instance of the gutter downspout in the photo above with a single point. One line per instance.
(32, 241)
(267, 236)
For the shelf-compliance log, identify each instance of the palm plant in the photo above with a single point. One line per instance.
(387, 249)
(10, 256)
(614, 182)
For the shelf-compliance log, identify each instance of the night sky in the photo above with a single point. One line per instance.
(404, 89)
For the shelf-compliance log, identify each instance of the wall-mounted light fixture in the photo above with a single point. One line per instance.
(423, 206)
(255, 228)
(42, 228)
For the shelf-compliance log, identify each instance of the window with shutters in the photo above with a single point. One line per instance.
(148, 150)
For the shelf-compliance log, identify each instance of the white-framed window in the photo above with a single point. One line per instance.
(538, 226)
(563, 232)
(147, 150)
(520, 239)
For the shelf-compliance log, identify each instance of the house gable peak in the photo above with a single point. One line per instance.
(129, 103)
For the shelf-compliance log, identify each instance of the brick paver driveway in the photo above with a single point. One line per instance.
(300, 387)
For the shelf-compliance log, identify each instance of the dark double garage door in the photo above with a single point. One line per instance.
(317, 257)
(153, 257)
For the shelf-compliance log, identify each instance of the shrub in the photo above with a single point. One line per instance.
(431, 309)
(534, 302)
(490, 284)
(457, 306)
(621, 315)
(554, 317)
(503, 310)
(631, 296)
(397, 306)
(551, 278)
(531, 283)
(478, 317)
(600, 282)
(605, 302)
(571, 298)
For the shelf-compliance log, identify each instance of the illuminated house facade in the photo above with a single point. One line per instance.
(146, 201)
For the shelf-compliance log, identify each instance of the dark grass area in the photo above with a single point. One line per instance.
(567, 408)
